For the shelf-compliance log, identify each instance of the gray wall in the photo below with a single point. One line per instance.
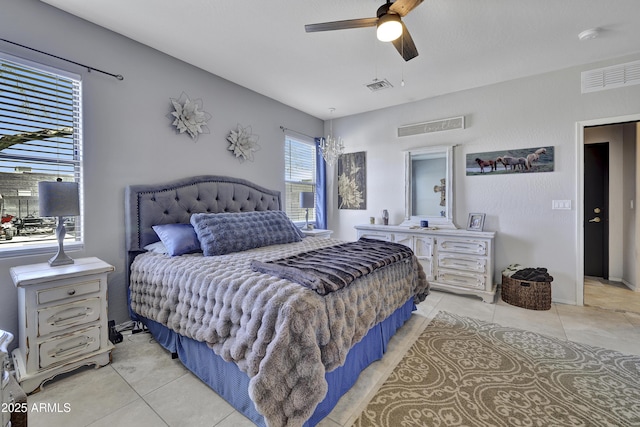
(537, 111)
(128, 138)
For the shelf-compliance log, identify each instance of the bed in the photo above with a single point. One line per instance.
(280, 353)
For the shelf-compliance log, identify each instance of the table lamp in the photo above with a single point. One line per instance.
(59, 199)
(307, 201)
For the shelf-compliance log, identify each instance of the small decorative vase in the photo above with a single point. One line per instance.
(385, 217)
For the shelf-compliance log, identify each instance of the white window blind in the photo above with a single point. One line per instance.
(300, 175)
(40, 140)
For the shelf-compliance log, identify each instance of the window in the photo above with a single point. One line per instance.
(40, 140)
(299, 176)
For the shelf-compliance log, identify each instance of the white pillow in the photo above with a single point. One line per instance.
(157, 247)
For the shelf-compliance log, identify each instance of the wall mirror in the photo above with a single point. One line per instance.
(429, 186)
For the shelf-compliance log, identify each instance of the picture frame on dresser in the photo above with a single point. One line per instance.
(476, 222)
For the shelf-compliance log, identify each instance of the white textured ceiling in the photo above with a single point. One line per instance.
(462, 44)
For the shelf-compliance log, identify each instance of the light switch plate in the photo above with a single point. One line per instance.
(561, 204)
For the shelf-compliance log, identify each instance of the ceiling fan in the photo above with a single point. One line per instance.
(389, 22)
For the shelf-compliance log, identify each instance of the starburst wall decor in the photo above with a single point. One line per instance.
(243, 143)
(189, 117)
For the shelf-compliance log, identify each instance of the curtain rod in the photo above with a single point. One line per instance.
(284, 129)
(89, 69)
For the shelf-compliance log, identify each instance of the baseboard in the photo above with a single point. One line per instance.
(562, 301)
(630, 285)
(624, 282)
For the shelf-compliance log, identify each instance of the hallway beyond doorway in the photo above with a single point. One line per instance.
(609, 295)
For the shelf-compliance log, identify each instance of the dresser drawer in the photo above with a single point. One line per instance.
(460, 278)
(423, 246)
(60, 317)
(66, 347)
(64, 292)
(463, 246)
(460, 262)
(375, 235)
(403, 239)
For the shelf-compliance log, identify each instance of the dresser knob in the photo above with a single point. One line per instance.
(71, 292)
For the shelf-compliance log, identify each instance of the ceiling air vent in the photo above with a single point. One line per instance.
(611, 77)
(377, 85)
(434, 126)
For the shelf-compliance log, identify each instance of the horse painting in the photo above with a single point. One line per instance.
(515, 163)
(485, 163)
(534, 157)
(514, 160)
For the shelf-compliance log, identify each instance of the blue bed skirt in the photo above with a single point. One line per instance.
(232, 384)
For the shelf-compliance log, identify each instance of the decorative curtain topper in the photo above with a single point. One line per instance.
(189, 116)
(243, 143)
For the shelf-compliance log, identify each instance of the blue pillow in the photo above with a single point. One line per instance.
(179, 239)
(224, 233)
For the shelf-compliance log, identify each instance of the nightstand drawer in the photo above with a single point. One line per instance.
(64, 292)
(319, 233)
(68, 346)
(61, 317)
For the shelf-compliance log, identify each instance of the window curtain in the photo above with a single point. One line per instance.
(321, 188)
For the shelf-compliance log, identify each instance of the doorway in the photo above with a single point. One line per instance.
(592, 260)
(596, 210)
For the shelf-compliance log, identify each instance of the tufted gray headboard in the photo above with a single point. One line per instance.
(175, 202)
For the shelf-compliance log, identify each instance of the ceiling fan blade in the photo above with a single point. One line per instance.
(341, 25)
(405, 45)
(403, 7)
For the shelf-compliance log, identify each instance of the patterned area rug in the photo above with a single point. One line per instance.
(466, 372)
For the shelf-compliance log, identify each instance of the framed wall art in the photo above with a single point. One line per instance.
(352, 181)
(521, 160)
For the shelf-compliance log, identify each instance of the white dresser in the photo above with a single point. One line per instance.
(62, 319)
(455, 260)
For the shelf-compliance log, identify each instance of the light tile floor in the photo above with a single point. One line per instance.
(145, 387)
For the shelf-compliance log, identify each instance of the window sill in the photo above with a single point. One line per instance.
(39, 249)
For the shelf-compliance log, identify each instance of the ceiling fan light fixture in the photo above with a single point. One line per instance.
(589, 34)
(389, 27)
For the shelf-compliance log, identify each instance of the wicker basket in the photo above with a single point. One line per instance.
(526, 294)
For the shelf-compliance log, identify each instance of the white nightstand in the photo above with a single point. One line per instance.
(62, 319)
(317, 232)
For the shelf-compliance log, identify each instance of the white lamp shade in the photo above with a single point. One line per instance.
(57, 198)
(389, 27)
(307, 200)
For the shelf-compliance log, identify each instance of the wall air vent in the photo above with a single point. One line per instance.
(434, 126)
(377, 85)
(611, 77)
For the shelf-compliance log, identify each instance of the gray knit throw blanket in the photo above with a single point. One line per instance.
(330, 269)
